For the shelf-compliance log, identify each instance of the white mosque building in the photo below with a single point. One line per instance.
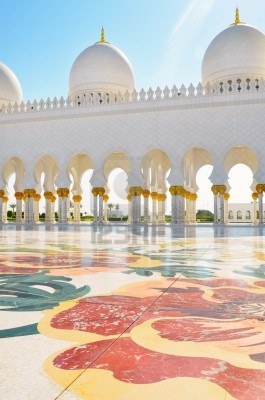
(159, 137)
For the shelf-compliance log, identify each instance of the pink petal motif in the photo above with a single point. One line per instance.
(104, 315)
(136, 365)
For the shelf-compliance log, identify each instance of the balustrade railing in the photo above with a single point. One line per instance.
(98, 99)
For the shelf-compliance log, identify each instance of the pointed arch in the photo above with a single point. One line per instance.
(155, 169)
(78, 165)
(193, 160)
(14, 165)
(46, 165)
(117, 159)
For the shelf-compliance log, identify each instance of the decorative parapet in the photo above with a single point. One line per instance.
(98, 99)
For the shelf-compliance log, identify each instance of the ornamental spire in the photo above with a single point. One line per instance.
(237, 17)
(102, 36)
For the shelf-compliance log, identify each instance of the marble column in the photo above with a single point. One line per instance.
(146, 194)
(19, 198)
(255, 197)
(95, 205)
(164, 208)
(29, 205)
(182, 206)
(222, 190)
(63, 205)
(161, 198)
(176, 204)
(48, 206)
(260, 189)
(215, 190)
(187, 217)
(129, 198)
(105, 207)
(77, 200)
(226, 198)
(53, 200)
(4, 209)
(101, 192)
(193, 207)
(173, 205)
(135, 193)
(2, 194)
(154, 196)
(36, 208)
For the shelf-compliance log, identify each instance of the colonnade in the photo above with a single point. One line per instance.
(183, 205)
(221, 198)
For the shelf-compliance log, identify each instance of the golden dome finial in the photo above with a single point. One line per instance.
(102, 36)
(237, 17)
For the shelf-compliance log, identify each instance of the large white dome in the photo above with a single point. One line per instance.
(237, 52)
(101, 67)
(10, 89)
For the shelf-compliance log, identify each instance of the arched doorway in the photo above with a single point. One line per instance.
(80, 171)
(197, 165)
(241, 164)
(13, 175)
(46, 171)
(116, 169)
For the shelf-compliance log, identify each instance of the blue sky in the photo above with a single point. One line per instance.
(164, 40)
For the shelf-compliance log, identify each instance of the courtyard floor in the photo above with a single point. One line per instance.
(119, 313)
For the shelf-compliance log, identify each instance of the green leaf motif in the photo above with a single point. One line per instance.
(36, 292)
(256, 272)
(26, 330)
(170, 271)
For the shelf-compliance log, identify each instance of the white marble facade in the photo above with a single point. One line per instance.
(152, 135)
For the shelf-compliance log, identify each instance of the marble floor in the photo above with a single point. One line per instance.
(113, 313)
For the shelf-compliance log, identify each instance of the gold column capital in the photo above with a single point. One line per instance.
(161, 197)
(260, 188)
(172, 190)
(101, 191)
(226, 196)
(222, 189)
(2, 193)
(4, 199)
(135, 191)
(48, 195)
(154, 195)
(77, 198)
(176, 190)
(129, 197)
(146, 193)
(63, 192)
(255, 196)
(215, 189)
(53, 199)
(186, 194)
(105, 198)
(95, 191)
(28, 193)
(37, 197)
(19, 195)
(194, 196)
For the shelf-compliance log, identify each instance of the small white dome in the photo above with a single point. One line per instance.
(237, 52)
(101, 67)
(10, 89)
